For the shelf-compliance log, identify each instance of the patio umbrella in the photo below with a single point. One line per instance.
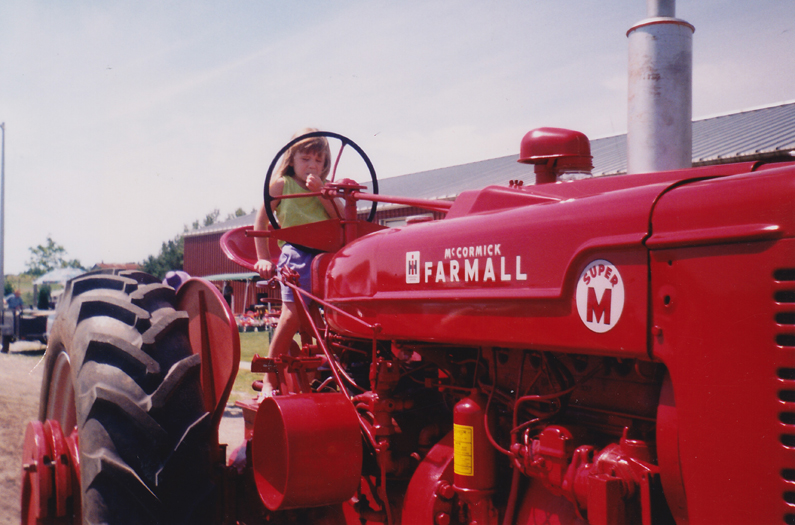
(59, 276)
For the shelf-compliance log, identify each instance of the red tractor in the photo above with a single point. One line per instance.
(608, 350)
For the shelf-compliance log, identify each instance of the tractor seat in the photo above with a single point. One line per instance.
(240, 248)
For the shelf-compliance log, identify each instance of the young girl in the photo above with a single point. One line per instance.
(304, 169)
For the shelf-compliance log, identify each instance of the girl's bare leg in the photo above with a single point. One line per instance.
(280, 344)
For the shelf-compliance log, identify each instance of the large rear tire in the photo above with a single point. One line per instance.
(120, 373)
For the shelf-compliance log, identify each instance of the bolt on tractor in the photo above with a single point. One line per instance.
(607, 350)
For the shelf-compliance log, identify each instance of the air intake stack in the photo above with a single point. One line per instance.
(659, 127)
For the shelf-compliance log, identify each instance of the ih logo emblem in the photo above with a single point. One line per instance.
(600, 296)
(412, 267)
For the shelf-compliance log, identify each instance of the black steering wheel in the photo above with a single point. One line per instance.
(345, 141)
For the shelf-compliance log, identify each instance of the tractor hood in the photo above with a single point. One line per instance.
(506, 267)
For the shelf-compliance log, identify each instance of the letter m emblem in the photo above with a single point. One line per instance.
(597, 309)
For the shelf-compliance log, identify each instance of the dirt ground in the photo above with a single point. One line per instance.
(20, 383)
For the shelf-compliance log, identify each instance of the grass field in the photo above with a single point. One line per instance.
(250, 343)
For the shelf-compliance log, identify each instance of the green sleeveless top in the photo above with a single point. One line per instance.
(295, 212)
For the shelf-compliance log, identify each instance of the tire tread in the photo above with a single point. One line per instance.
(144, 432)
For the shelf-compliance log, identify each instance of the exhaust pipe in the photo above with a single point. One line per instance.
(659, 127)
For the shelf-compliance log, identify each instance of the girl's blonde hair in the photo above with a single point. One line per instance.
(314, 145)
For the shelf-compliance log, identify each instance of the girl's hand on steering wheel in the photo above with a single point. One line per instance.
(265, 268)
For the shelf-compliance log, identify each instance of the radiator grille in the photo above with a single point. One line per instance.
(784, 299)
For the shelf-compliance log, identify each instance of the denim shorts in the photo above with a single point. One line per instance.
(299, 261)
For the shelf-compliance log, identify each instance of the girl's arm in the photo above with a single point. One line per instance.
(264, 265)
(333, 207)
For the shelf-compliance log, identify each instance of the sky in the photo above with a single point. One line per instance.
(125, 121)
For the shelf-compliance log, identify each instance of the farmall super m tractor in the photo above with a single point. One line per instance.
(608, 350)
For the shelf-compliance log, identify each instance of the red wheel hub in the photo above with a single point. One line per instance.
(50, 474)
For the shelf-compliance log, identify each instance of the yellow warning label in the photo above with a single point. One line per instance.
(463, 460)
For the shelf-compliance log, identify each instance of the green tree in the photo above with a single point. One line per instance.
(171, 256)
(45, 296)
(238, 213)
(47, 257)
(209, 219)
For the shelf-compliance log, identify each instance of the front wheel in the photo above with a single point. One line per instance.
(121, 378)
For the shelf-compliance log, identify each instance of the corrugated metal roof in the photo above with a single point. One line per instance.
(449, 182)
(746, 135)
(609, 155)
(243, 220)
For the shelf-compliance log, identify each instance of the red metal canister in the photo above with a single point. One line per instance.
(306, 450)
(474, 457)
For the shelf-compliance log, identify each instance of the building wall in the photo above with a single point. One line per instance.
(244, 296)
(203, 257)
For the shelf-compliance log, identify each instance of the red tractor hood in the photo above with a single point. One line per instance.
(503, 268)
